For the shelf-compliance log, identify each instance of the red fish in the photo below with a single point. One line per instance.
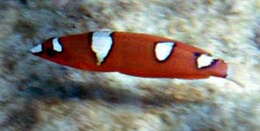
(133, 54)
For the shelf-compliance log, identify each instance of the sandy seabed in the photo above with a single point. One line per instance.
(38, 95)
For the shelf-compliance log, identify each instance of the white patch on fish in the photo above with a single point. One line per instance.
(56, 45)
(36, 49)
(204, 60)
(101, 44)
(163, 50)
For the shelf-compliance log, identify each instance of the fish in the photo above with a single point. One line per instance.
(135, 54)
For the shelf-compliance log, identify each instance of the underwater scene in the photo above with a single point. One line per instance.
(129, 65)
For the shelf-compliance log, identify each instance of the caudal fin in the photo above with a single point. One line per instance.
(237, 74)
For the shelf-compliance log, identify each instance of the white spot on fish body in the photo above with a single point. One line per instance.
(36, 49)
(56, 45)
(204, 60)
(163, 50)
(101, 44)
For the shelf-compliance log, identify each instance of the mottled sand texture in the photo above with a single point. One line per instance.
(37, 95)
